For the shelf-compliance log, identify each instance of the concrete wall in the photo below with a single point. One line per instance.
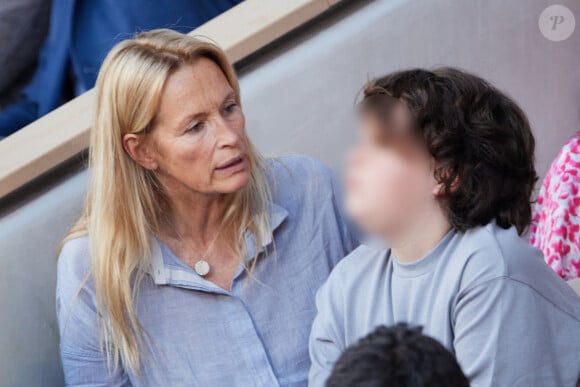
(311, 82)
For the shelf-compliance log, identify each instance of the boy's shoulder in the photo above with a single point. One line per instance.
(356, 269)
(491, 252)
(503, 255)
(482, 254)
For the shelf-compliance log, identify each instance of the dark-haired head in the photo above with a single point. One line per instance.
(478, 140)
(397, 357)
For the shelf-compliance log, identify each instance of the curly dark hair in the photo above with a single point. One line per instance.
(397, 357)
(479, 138)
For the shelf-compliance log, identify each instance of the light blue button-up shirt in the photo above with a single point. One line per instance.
(202, 335)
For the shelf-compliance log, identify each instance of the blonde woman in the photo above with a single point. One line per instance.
(195, 262)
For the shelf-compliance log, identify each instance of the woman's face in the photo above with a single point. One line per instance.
(388, 185)
(198, 141)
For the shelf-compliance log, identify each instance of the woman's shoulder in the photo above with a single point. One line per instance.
(299, 176)
(298, 167)
(75, 252)
(74, 264)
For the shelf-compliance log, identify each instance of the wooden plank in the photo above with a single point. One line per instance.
(45, 143)
(64, 133)
(257, 23)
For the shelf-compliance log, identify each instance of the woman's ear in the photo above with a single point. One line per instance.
(139, 150)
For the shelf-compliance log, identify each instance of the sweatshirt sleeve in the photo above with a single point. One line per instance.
(326, 341)
(508, 334)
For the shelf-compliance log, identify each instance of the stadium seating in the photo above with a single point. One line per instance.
(298, 96)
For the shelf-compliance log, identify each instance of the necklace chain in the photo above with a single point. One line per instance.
(202, 267)
(210, 246)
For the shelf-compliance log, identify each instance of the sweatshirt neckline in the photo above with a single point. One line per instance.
(422, 265)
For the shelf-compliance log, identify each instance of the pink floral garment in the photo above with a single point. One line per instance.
(556, 219)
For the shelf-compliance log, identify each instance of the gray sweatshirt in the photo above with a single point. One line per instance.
(485, 294)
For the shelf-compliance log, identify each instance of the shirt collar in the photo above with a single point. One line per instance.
(276, 216)
(426, 263)
(164, 273)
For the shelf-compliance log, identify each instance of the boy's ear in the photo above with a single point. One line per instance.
(139, 150)
(439, 188)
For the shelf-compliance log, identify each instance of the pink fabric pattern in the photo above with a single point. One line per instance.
(555, 225)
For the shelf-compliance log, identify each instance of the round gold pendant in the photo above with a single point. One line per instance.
(202, 268)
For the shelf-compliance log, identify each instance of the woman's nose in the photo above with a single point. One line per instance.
(227, 135)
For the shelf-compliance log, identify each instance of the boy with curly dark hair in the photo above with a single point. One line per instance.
(444, 175)
(399, 356)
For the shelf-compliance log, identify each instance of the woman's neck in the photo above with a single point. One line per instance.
(193, 230)
(420, 236)
(194, 217)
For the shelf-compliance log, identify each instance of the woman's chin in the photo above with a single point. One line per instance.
(235, 183)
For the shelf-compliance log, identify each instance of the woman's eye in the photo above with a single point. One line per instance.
(195, 128)
(230, 108)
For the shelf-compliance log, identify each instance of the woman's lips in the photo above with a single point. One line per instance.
(234, 165)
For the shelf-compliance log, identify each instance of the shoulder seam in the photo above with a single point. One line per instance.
(521, 283)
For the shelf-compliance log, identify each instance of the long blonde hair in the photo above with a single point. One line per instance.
(124, 200)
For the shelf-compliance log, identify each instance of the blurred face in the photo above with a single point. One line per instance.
(198, 142)
(389, 186)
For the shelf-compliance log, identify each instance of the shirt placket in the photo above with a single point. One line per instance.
(249, 343)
